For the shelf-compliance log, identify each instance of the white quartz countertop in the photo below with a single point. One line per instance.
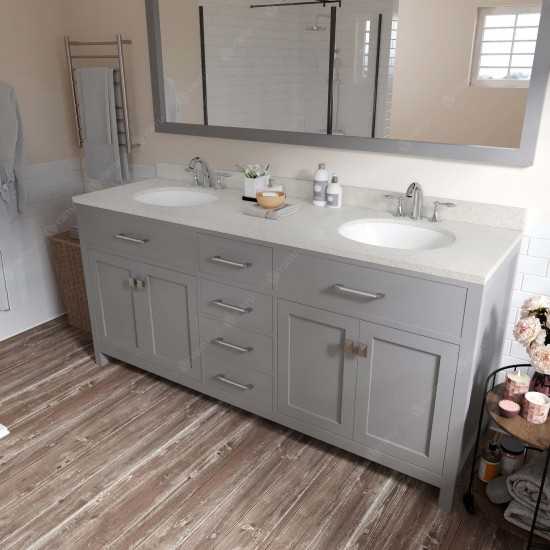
(472, 258)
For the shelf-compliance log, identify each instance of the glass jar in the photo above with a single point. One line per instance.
(489, 463)
(513, 455)
(540, 383)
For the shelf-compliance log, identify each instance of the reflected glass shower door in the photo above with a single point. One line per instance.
(363, 68)
(267, 68)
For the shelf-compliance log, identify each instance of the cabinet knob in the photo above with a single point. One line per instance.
(357, 349)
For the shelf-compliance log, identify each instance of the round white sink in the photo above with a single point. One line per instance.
(391, 234)
(175, 197)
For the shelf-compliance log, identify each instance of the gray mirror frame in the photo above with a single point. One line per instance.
(522, 157)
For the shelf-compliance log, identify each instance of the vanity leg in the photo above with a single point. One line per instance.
(446, 497)
(101, 359)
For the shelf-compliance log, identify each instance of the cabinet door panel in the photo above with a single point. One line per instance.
(170, 322)
(404, 395)
(316, 379)
(112, 301)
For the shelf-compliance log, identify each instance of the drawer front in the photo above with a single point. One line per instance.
(236, 262)
(223, 345)
(242, 308)
(151, 241)
(251, 390)
(386, 298)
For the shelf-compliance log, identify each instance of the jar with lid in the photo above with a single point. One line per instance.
(489, 463)
(513, 455)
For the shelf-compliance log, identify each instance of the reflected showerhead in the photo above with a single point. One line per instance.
(316, 28)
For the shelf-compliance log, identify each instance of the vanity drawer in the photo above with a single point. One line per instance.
(148, 240)
(236, 262)
(371, 294)
(251, 390)
(242, 308)
(223, 345)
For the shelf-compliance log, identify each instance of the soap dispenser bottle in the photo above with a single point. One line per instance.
(334, 193)
(320, 184)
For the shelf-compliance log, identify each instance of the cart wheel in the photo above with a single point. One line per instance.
(468, 500)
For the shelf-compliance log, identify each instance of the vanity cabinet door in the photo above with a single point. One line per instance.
(168, 320)
(112, 303)
(316, 378)
(404, 395)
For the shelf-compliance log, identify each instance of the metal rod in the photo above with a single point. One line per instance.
(78, 43)
(120, 50)
(203, 67)
(377, 75)
(94, 56)
(73, 92)
(330, 108)
(539, 499)
(310, 3)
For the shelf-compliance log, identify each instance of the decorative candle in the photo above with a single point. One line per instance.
(508, 408)
(535, 407)
(517, 385)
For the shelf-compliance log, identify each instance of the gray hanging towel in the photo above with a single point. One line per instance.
(98, 123)
(11, 150)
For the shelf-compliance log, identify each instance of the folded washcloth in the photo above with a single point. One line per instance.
(524, 486)
(253, 209)
(522, 517)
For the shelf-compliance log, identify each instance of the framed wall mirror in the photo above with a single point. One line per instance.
(439, 78)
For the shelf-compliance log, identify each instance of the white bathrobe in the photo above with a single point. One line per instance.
(11, 149)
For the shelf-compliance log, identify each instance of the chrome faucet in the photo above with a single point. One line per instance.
(415, 193)
(203, 175)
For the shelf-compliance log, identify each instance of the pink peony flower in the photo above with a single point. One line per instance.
(527, 330)
(540, 358)
(534, 304)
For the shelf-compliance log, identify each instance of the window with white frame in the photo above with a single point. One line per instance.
(506, 40)
(366, 46)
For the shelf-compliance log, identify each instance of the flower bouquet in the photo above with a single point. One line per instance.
(533, 332)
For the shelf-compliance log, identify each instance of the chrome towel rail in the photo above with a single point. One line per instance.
(119, 44)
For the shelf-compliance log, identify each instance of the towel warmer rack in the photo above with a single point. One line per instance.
(119, 44)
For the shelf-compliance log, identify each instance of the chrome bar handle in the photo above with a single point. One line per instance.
(230, 263)
(358, 293)
(243, 387)
(233, 347)
(128, 238)
(229, 307)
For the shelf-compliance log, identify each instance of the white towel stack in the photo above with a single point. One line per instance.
(524, 486)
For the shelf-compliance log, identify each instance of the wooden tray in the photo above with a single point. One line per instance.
(534, 435)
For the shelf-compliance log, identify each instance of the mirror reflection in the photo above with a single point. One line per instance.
(436, 71)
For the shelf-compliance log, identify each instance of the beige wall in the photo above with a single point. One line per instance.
(32, 61)
(432, 98)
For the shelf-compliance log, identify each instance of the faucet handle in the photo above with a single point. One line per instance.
(400, 211)
(437, 206)
(220, 179)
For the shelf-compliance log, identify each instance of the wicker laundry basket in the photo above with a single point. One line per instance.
(67, 261)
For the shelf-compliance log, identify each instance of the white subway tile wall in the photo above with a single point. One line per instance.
(532, 279)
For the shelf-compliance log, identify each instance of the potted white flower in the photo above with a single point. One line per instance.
(256, 179)
(533, 332)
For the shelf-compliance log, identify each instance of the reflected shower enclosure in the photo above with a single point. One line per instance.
(437, 71)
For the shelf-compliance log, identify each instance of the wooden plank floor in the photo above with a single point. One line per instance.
(116, 458)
